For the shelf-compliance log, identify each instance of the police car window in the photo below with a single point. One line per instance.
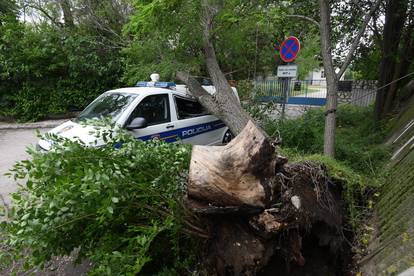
(155, 109)
(189, 109)
(107, 105)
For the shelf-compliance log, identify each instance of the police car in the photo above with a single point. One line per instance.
(160, 110)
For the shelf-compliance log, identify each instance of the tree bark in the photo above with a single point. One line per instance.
(331, 77)
(330, 120)
(67, 13)
(223, 103)
(331, 80)
(233, 175)
(395, 16)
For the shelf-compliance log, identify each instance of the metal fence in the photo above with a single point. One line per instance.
(291, 92)
(313, 92)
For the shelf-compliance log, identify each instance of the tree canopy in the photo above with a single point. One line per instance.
(75, 50)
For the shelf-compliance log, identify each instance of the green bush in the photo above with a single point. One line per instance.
(45, 70)
(358, 139)
(120, 207)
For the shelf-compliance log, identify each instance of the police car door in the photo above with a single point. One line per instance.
(157, 113)
(194, 125)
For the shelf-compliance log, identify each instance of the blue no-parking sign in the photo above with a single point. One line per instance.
(289, 49)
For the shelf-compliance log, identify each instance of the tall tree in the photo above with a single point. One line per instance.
(332, 77)
(234, 37)
(394, 62)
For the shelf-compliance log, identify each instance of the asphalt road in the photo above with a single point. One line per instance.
(13, 143)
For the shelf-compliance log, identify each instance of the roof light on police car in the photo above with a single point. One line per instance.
(155, 77)
(155, 82)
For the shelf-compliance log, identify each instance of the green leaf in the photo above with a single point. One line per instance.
(110, 210)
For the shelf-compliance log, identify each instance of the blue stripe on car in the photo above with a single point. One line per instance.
(185, 132)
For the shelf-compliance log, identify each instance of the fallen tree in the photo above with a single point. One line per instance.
(240, 210)
(256, 208)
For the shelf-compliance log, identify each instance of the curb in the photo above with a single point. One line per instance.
(45, 124)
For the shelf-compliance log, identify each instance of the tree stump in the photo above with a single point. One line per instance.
(234, 174)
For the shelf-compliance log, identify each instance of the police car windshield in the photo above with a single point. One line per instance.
(107, 105)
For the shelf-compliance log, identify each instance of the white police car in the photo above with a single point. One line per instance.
(150, 110)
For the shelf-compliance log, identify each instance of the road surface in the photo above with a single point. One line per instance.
(13, 143)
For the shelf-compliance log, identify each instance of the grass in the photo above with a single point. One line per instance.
(359, 141)
(360, 154)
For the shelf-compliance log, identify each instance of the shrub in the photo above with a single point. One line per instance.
(120, 207)
(358, 139)
(46, 71)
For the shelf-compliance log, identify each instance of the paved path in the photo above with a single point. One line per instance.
(14, 138)
(321, 93)
(13, 143)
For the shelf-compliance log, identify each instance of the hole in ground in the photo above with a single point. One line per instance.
(322, 253)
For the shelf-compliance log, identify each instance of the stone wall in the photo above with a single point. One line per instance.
(362, 92)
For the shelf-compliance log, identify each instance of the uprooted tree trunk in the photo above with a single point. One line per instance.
(223, 103)
(255, 207)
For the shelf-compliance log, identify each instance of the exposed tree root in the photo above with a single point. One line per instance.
(256, 208)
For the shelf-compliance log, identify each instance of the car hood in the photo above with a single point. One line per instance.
(74, 132)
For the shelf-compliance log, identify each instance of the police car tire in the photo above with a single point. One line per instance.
(228, 136)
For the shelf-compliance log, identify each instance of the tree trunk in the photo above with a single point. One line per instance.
(405, 57)
(395, 16)
(331, 79)
(223, 103)
(67, 13)
(233, 175)
(330, 120)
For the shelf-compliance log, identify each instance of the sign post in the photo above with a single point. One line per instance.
(288, 51)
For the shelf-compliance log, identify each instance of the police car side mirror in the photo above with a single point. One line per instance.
(136, 123)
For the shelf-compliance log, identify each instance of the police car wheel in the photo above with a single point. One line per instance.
(228, 136)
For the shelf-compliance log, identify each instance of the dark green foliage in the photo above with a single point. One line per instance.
(358, 143)
(44, 71)
(244, 36)
(366, 63)
(304, 134)
(7, 10)
(122, 207)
